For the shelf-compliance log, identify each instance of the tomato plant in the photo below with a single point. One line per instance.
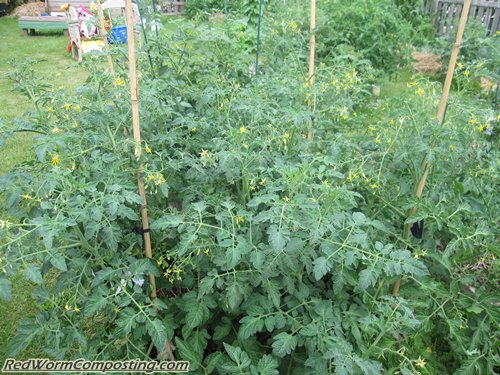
(273, 254)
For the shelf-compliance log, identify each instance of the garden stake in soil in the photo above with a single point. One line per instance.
(134, 97)
(312, 53)
(105, 37)
(440, 118)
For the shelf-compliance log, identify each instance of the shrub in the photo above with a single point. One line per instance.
(375, 29)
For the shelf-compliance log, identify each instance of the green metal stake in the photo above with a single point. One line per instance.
(225, 18)
(258, 39)
(145, 37)
(154, 11)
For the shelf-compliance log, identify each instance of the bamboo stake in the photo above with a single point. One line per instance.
(134, 97)
(312, 54)
(440, 117)
(105, 36)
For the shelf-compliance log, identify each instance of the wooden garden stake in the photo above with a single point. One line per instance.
(312, 53)
(105, 36)
(134, 97)
(440, 116)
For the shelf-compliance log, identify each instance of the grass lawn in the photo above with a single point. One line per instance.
(56, 65)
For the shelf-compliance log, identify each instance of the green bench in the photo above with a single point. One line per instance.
(29, 24)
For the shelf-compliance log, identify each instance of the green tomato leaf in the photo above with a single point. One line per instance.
(321, 267)
(158, 333)
(250, 325)
(167, 221)
(267, 366)
(5, 289)
(284, 344)
(32, 273)
(58, 261)
(187, 353)
(238, 356)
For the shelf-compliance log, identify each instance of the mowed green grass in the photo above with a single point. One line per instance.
(57, 67)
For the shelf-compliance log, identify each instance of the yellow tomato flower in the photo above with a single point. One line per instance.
(207, 251)
(286, 199)
(76, 309)
(411, 84)
(77, 108)
(148, 149)
(74, 125)
(243, 129)
(378, 140)
(193, 130)
(119, 81)
(56, 130)
(56, 160)
(67, 307)
(263, 181)
(204, 153)
(239, 219)
(67, 106)
(467, 73)
(373, 186)
(159, 179)
(460, 65)
(420, 362)
(420, 91)
(352, 176)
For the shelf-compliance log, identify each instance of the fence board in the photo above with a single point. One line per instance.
(446, 12)
(443, 19)
(495, 25)
(488, 18)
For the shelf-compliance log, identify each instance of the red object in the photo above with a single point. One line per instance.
(68, 48)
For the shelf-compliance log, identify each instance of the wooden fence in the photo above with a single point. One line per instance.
(447, 12)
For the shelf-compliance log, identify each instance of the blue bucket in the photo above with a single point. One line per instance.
(118, 35)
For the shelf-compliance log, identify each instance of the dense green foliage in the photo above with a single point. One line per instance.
(274, 254)
(373, 28)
